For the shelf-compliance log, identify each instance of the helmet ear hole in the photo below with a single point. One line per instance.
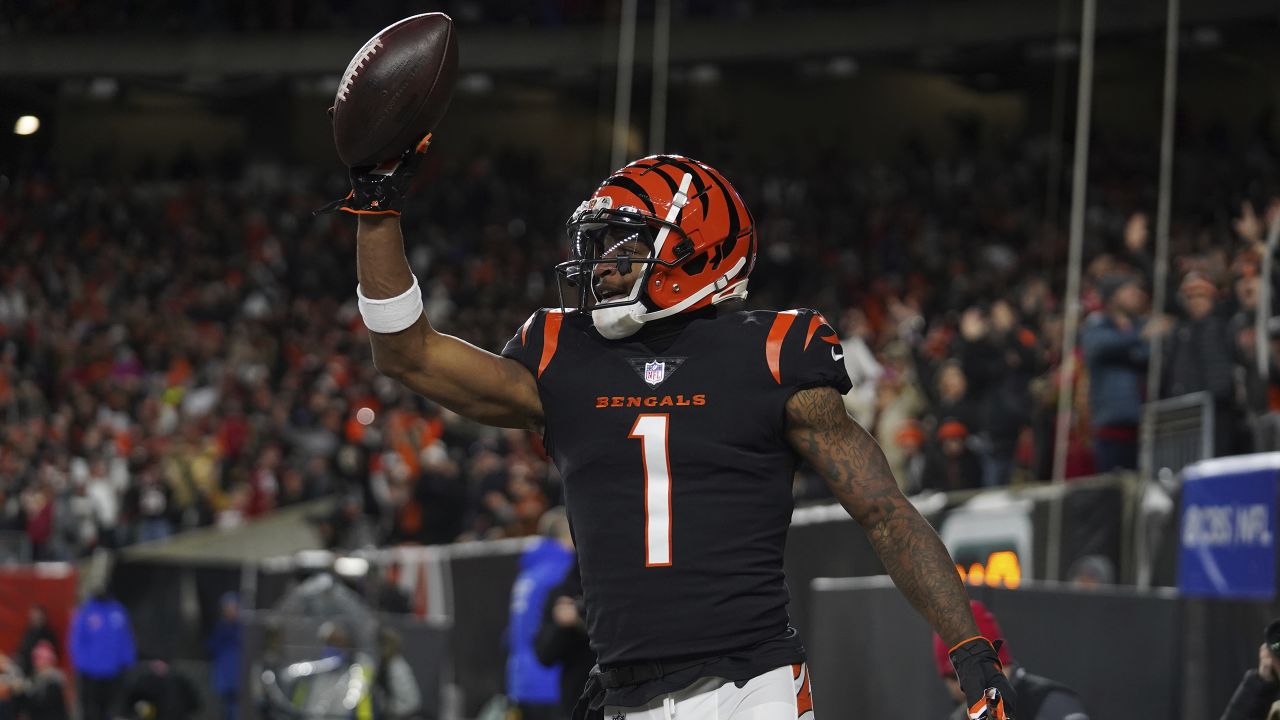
(695, 265)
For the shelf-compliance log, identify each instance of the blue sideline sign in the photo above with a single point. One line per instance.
(1227, 544)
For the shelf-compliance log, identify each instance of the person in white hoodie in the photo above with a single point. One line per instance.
(860, 361)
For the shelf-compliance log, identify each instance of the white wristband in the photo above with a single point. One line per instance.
(391, 315)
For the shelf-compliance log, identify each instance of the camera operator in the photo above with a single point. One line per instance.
(1260, 688)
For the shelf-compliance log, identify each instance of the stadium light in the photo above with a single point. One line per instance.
(26, 125)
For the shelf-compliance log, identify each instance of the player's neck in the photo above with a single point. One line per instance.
(659, 335)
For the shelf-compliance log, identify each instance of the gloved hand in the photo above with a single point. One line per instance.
(987, 691)
(381, 189)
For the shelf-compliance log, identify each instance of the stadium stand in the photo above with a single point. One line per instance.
(186, 351)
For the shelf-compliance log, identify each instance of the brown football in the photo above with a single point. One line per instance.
(395, 89)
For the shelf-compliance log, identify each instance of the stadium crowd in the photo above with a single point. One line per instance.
(183, 349)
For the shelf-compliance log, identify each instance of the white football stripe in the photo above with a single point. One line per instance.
(357, 64)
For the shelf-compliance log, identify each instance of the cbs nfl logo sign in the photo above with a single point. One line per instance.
(655, 372)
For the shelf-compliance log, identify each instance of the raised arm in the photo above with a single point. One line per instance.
(460, 376)
(855, 469)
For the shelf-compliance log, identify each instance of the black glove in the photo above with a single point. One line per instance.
(381, 189)
(986, 690)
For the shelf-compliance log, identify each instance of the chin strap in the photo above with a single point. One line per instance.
(735, 291)
(721, 283)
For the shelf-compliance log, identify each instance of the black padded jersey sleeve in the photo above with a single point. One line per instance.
(525, 346)
(536, 342)
(808, 353)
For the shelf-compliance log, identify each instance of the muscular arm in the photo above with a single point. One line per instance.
(855, 469)
(472, 382)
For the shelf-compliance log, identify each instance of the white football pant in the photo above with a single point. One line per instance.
(780, 694)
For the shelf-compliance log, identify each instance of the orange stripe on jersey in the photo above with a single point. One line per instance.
(773, 346)
(550, 336)
(524, 329)
(816, 322)
(804, 691)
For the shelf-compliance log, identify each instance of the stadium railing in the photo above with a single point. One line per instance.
(1183, 433)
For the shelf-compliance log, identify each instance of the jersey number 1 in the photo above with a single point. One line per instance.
(651, 430)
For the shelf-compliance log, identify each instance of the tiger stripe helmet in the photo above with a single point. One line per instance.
(700, 236)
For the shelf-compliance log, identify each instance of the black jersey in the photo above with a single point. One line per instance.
(677, 472)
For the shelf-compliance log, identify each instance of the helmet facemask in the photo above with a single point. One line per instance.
(626, 239)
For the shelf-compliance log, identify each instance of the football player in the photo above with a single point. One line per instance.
(677, 420)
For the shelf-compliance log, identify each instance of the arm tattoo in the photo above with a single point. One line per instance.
(855, 469)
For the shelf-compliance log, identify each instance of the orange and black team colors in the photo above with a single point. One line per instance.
(677, 476)
(804, 691)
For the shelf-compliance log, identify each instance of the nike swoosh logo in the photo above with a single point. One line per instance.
(835, 355)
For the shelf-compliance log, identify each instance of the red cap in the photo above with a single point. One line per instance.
(952, 430)
(909, 434)
(989, 628)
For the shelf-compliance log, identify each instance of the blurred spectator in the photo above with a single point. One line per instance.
(864, 370)
(102, 651)
(1091, 572)
(910, 473)
(1039, 698)
(345, 527)
(44, 694)
(1116, 344)
(532, 686)
(954, 400)
(952, 465)
(562, 640)
(999, 356)
(395, 689)
(103, 493)
(337, 683)
(442, 495)
(899, 400)
(1200, 360)
(432, 507)
(10, 685)
(38, 506)
(224, 646)
(155, 690)
(1045, 395)
(1259, 688)
(151, 500)
(1242, 329)
(1137, 234)
(265, 671)
(37, 630)
(528, 501)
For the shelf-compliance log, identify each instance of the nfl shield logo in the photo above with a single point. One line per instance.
(654, 372)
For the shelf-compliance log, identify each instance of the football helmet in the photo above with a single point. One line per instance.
(698, 236)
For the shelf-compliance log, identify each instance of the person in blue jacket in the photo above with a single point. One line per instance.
(102, 650)
(532, 687)
(224, 652)
(1117, 345)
